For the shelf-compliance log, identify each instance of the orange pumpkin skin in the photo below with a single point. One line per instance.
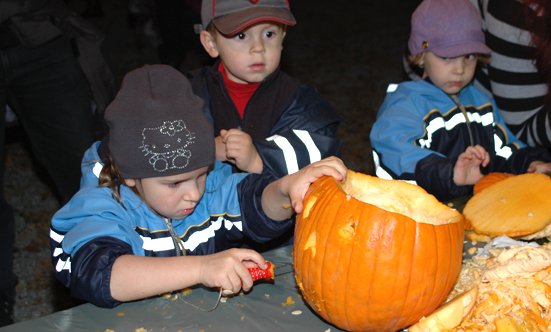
(366, 269)
(490, 179)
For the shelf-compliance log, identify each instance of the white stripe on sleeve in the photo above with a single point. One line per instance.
(288, 152)
(55, 236)
(313, 151)
(159, 244)
(63, 265)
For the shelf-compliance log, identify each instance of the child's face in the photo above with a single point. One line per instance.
(250, 55)
(450, 74)
(173, 196)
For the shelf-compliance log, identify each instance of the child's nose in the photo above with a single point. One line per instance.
(258, 46)
(193, 194)
(459, 67)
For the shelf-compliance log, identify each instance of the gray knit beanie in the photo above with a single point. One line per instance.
(157, 126)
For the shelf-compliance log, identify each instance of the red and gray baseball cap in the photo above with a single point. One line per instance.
(448, 28)
(232, 16)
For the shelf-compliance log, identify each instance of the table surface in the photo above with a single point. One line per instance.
(264, 308)
(261, 309)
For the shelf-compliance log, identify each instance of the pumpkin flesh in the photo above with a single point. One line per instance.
(516, 206)
(364, 266)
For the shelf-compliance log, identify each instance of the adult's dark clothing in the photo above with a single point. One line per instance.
(512, 76)
(43, 82)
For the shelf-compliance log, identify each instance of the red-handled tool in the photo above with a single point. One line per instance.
(256, 273)
(267, 274)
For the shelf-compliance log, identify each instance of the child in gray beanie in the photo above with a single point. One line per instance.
(156, 212)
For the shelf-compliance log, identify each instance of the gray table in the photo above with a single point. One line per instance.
(259, 310)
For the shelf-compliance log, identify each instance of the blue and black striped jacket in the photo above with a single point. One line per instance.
(420, 131)
(93, 229)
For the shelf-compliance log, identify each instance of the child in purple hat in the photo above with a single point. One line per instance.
(156, 212)
(442, 133)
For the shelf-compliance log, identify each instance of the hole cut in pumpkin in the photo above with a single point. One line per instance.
(399, 197)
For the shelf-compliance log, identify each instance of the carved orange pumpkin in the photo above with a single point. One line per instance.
(490, 179)
(374, 254)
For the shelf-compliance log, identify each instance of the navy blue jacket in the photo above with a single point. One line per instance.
(290, 123)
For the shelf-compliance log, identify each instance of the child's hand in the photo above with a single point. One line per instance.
(229, 269)
(279, 196)
(299, 182)
(220, 149)
(540, 167)
(467, 167)
(241, 151)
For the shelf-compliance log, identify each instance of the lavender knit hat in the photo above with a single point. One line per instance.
(448, 28)
(232, 16)
(157, 126)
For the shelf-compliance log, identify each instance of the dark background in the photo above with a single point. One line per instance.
(349, 50)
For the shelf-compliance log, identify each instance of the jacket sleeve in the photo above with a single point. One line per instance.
(86, 238)
(306, 132)
(435, 174)
(87, 272)
(256, 225)
(93, 264)
(393, 137)
(512, 155)
(520, 159)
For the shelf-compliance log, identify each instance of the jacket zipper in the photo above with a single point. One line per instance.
(178, 245)
(462, 108)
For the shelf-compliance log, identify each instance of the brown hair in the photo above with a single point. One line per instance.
(418, 59)
(110, 177)
(211, 29)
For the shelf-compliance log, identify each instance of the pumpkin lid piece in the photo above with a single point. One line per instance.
(448, 315)
(399, 197)
(516, 206)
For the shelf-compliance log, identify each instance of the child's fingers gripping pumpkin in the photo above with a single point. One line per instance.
(302, 180)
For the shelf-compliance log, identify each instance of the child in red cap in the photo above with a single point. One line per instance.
(159, 213)
(266, 120)
(442, 133)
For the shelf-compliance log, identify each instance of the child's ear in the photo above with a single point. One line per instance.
(209, 44)
(130, 182)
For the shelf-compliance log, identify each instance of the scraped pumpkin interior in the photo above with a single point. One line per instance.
(399, 197)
